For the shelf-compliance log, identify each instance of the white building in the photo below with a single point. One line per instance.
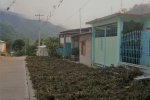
(42, 51)
(2, 47)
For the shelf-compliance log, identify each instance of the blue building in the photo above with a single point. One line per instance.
(121, 38)
(69, 40)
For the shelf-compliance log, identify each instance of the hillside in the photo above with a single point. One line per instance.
(26, 28)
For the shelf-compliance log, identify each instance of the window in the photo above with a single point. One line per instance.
(111, 30)
(100, 31)
(83, 48)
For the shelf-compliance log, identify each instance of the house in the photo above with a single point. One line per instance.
(85, 46)
(42, 51)
(65, 42)
(69, 41)
(3, 48)
(121, 38)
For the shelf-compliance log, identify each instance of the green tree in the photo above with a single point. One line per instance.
(18, 47)
(31, 50)
(52, 45)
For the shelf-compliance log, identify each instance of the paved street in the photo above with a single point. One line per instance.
(13, 80)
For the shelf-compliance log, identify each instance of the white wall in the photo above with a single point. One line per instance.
(2, 47)
(86, 59)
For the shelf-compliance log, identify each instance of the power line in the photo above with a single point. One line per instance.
(13, 2)
(55, 7)
(77, 11)
(85, 4)
(39, 18)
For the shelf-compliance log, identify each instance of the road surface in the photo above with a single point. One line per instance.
(13, 79)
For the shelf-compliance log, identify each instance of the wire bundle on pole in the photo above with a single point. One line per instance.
(54, 8)
(13, 2)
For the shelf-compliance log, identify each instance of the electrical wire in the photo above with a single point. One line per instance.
(13, 2)
(82, 7)
(55, 7)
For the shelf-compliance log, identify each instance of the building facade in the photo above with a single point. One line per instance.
(42, 51)
(85, 48)
(2, 47)
(69, 41)
(114, 42)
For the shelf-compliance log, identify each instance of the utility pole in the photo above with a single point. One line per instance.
(13, 2)
(80, 20)
(121, 5)
(111, 9)
(39, 18)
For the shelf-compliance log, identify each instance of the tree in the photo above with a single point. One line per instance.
(52, 45)
(18, 47)
(31, 50)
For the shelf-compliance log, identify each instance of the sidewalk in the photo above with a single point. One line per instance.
(13, 79)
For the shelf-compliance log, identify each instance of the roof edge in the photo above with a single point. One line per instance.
(115, 15)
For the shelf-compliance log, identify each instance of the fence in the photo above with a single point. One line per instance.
(131, 49)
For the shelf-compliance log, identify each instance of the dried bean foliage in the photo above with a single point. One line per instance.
(57, 79)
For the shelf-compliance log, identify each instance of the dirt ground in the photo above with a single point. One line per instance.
(57, 79)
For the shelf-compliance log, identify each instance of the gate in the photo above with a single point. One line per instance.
(131, 48)
(135, 47)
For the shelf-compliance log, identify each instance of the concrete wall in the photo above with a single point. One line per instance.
(2, 47)
(112, 52)
(145, 42)
(86, 59)
(109, 56)
(62, 40)
(68, 39)
(42, 51)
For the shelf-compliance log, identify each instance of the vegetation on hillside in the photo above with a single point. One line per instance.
(27, 28)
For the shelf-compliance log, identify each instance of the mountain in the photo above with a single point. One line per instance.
(7, 32)
(25, 28)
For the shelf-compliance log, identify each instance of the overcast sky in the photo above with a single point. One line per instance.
(68, 13)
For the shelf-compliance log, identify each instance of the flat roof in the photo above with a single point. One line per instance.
(42, 46)
(2, 41)
(86, 33)
(118, 15)
(74, 31)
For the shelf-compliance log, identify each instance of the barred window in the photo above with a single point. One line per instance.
(111, 30)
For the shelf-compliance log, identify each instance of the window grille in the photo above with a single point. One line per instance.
(111, 30)
(131, 47)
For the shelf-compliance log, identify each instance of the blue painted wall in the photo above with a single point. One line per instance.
(60, 51)
(67, 50)
(145, 43)
(145, 59)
